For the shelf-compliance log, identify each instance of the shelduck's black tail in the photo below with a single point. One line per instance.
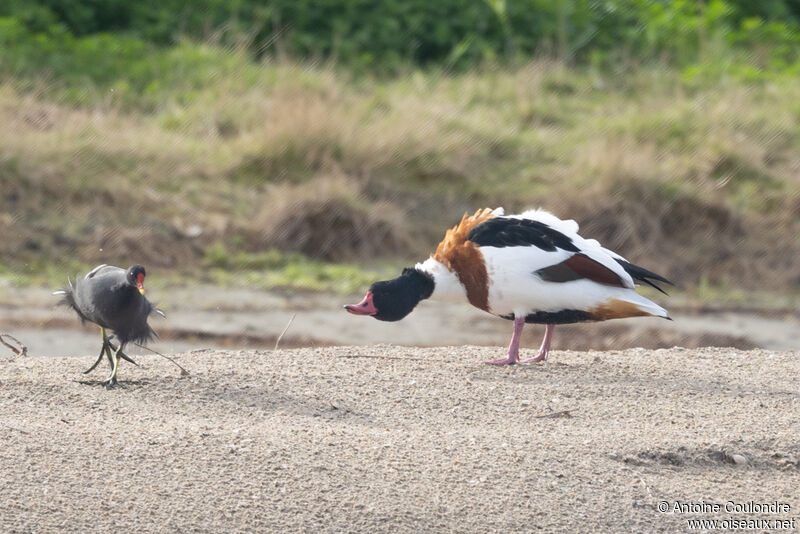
(643, 275)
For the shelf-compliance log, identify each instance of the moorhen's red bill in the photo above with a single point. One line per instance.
(113, 299)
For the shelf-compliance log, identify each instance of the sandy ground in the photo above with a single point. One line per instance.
(395, 439)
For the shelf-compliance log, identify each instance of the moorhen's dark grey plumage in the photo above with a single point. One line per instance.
(113, 299)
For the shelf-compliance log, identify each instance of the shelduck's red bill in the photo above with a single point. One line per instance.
(365, 307)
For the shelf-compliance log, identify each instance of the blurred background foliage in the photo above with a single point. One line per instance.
(110, 39)
(390, 35)
(215, 135)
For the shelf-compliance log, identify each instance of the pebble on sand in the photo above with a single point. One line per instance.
(739, 459)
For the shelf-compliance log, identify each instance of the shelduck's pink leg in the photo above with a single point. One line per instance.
(513, 347)
(545, 348)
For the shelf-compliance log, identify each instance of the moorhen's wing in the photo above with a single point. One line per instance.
(98, 295)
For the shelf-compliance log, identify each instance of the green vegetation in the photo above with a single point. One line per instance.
(276, 269)
(669, 130)
(263, 270)
(392, 34)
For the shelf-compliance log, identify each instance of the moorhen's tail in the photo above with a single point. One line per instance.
(68, 294)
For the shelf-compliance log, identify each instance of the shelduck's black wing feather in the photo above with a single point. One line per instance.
(511, 232)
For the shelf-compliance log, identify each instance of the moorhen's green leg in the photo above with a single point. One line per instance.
(103, 350)
(127, 358)
(121, 354)
(112, 379)
(110, 356)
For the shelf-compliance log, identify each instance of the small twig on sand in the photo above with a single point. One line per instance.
(19, 350)
(562, 413)
(277, 341)
(184, 372)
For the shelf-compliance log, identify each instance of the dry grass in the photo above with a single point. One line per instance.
(327, 218)
(700, 184)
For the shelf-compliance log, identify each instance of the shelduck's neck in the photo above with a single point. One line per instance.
(447, 286)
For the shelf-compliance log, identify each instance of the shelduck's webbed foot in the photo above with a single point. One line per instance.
(503, 361)
(542, 356)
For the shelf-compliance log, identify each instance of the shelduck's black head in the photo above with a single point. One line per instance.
(394, 299)
(135, 277)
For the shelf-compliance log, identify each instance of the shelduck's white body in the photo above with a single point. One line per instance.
(514, 289)
(531, 267)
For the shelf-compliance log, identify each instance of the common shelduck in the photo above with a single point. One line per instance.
(528, 268)
(112, 298)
